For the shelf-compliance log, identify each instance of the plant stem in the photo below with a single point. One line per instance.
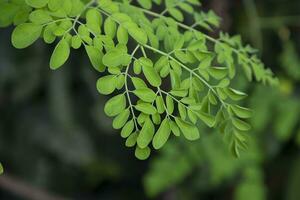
(127, 90)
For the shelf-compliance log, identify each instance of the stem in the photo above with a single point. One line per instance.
(127, 90)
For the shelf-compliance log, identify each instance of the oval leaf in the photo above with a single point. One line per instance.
(60, 54)
(25, 35)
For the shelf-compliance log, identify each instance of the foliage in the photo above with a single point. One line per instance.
(199, 68)
(53, 124)
(275, 128)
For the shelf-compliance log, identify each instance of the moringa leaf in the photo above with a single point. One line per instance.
(241, 125)
(146, 108)
(189, 130)
(37, 3)
(60, 54)
(142, 154)
(94, 20)
(107, 84)
(139, 35)
(121, 119)
(162, 134)
(131, 140)
(95, 56)
(241, 111)
(146, 134)
(115, 105)
(145, 94)
(127, 129)
(110, 27)
(151, 75)
(25, 35)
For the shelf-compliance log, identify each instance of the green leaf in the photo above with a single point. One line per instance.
(54, 5)
(121, 119)
(156, 118)
(164, 72)
(107, 84)
(241, 125)
(141, 118)
(60, 54)
(235, 94)
(137, 67)
(209, 120)
(36, 3)
(145, 94)
(120, 82)
(179, 93)
(159, 102)
(77, 8)
(127, 129)
(174, 128)
(218, 72)
(162, 134)
(151, 75)
(76, 42)
(189, 130)
(161, 62)
(145, 3)
(48, 34)
(176, 14)
(224, 83)
(195, 45)
(95, 56)
(110, 27)
(179, 43)
(192, 116)
(234, 149)
(131, 140)
(170, 104)
(8, 12)
(241, 111)
(146, 134)
(116, 57)
(94, 20)
(186, 7)
(212, 98)
(142, 154)
(40, 17)
(181, 56)
(138, 83)
(25, 35)
(182, 111)
(115, 105)
(139, 35)
(206, 62)
(108, 6)
(122, 35)
(146, 108)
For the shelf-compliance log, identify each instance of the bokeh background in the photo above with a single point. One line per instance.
(56, 143)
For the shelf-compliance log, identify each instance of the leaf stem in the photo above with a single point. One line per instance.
(127, 90)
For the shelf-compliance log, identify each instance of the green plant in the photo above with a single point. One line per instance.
(189, 74)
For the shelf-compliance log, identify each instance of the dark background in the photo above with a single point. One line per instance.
(56, 142)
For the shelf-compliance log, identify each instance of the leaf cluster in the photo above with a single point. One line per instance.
(174, 78)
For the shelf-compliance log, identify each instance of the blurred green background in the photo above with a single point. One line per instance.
(56, 143)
